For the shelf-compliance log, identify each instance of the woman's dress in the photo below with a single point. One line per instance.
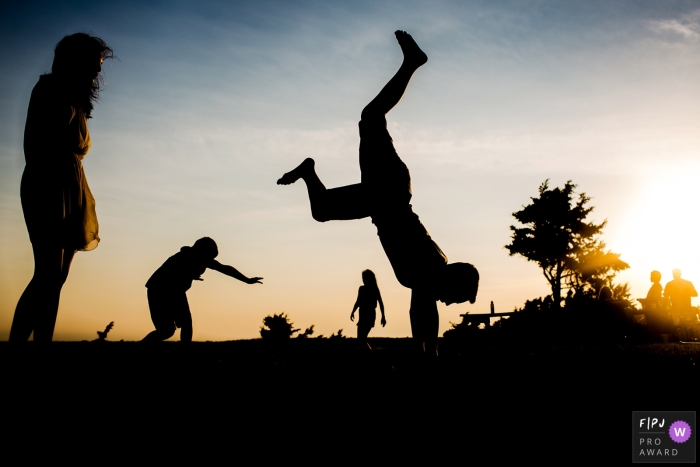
(58, 207)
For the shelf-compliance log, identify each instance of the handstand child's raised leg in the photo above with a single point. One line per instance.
(391, 93)
(353, 201)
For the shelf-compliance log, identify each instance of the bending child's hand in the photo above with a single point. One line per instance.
(254, 280)
(383, 321)
(199, 278)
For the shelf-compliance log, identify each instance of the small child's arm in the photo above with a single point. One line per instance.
(357, 305)
(233, 272)
(381, 307)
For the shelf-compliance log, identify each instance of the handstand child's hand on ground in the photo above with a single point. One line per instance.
(254, 280)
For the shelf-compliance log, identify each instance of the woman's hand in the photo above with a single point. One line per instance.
(352, 316)
(254, 280)
(383, 321)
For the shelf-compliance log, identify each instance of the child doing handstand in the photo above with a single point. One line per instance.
(384, 194)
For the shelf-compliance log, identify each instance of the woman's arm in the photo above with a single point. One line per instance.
(233, 272)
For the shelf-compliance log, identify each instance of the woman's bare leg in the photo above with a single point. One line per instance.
(37, 308)
(390, 95)
(342, 203)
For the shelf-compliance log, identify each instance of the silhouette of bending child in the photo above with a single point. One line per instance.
(383, 194)
(167, 287)
(367, 297)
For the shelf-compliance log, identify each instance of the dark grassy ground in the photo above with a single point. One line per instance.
(514, 401)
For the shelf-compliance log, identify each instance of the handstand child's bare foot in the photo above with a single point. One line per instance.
(412, 54)
(290, 177)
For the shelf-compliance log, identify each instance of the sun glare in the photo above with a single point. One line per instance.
(660, 231)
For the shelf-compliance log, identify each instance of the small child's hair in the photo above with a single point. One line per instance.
(207, 247)
(369, 278)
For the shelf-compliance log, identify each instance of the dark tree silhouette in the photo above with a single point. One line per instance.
(566, 247)
(277, 327)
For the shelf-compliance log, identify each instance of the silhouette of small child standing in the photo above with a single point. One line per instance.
(367, 297)
(167, 287)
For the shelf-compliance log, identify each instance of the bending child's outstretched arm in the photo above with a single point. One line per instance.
(233, 272)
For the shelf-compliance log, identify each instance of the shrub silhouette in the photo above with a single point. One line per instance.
(277, 327)
(309, 332)
(337, 336)
(102, 335)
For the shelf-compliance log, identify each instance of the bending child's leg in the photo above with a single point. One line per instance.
(163, 306)
(343, 203)
(186, 328)
(390, 95)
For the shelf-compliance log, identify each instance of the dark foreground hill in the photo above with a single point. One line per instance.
(522, 401)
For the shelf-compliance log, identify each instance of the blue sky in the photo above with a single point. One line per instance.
(208, 104)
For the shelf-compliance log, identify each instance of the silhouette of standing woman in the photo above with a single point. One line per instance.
(367, 297)
(59, 209)
(383, 194)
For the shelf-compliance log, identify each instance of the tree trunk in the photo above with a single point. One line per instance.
(556, 288)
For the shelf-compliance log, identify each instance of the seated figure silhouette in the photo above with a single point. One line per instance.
(167, 287)
(656, 307)
(383, 194)
(367, 297)
(679, 291)
(656, 289)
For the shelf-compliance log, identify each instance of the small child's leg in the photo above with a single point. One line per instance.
(362, 333)
(342, 203)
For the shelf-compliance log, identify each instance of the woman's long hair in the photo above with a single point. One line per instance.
(73, 54)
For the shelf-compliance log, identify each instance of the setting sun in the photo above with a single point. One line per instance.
(659, 232)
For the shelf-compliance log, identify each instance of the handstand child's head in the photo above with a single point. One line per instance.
(459, 283)
(205, 246)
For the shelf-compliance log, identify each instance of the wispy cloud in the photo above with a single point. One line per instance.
(688, 26)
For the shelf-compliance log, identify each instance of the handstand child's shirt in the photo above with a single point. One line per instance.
(178, 271)
(413, 254)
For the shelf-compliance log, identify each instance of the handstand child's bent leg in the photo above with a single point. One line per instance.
(342, 203)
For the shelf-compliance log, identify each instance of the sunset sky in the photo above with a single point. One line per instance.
(210, 102)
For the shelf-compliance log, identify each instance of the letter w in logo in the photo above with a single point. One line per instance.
(680, 431)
